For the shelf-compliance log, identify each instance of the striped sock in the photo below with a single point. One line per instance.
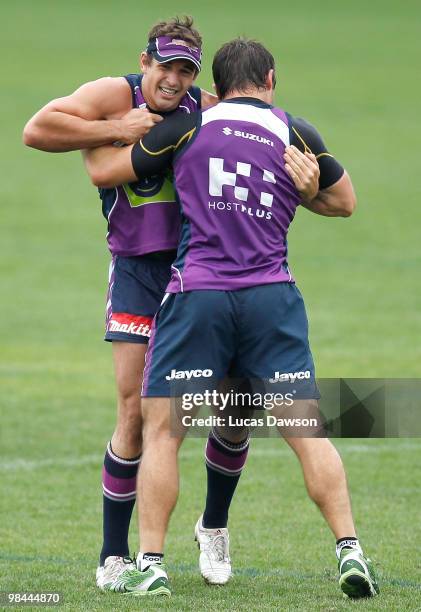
(119, 496)
(224, 463)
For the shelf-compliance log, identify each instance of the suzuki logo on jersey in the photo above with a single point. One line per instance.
(188, 374)
(228, 131)
(290, 376)
(220, 178)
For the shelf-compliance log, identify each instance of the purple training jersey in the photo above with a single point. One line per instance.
(237, 200)
(143, 216)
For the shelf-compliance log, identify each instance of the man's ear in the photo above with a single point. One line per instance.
(144, 61)
(270, 79)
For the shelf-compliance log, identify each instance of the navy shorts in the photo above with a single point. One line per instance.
(135, 290)
(201, 336)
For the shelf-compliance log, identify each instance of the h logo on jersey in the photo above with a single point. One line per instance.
(218, 177)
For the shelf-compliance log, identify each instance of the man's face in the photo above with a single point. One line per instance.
(164, 85)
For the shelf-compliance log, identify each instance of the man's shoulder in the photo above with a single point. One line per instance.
(111, 94)
(110, 84)
(115, 88)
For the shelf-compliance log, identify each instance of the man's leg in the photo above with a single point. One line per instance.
(122, 457)
(135, 290)
(278, 352)
(129, 361)
(225, 457)
(226, 453)
(157, 491)
(186, 325)
(158, 480)
(225, 460)
(325, 479)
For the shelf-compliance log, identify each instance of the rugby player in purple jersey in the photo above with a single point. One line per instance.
(143, 234)
(236, 168)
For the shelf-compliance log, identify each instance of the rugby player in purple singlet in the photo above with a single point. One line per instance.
(143, 234)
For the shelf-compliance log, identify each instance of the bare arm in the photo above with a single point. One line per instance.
(339, 200)
(108, 166)
(334, 196)
(95, 114)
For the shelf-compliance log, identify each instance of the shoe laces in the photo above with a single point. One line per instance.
(116, 567)
(217, 546)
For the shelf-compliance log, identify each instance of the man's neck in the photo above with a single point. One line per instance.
(265, 95)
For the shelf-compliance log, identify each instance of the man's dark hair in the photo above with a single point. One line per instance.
(241, 64)
(181, 28)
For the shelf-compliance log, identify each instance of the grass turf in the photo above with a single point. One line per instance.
(349, 70)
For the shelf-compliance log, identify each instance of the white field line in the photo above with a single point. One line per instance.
(17, 465)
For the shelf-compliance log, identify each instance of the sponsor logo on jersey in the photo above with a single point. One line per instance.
(188, 374)
(147, 187)
(290, 376)
(237, 207)
(248, 136)
(121, 322)
(220, 178)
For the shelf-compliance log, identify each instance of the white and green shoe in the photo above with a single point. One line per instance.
(115, 573)
(152, 581)
(356, 575)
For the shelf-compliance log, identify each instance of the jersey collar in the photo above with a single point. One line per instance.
(247, 100)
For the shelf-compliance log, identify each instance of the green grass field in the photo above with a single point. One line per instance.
(350, 68)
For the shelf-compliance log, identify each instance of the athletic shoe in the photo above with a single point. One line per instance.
(152, 581)
(214, 560)
(115, 573)
(356, 575)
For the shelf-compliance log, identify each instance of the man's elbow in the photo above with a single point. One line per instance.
(100, 178)
(348, 198)
(31, 136)
(348, 205)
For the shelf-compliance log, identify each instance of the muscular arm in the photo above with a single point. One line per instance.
(336, 197)
(90, 117)
(338, 200)
(109, 166)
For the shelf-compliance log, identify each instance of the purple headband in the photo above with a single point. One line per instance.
(166, 48)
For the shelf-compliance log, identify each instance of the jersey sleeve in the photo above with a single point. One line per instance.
(155, 152)
(306, 138)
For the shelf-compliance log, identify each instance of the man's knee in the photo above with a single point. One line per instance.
(129, 360)
(158, 426)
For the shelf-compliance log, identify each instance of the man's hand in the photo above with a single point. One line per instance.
(304, 171)
(136, 123)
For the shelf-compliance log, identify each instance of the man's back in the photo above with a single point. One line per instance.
(236, 197)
